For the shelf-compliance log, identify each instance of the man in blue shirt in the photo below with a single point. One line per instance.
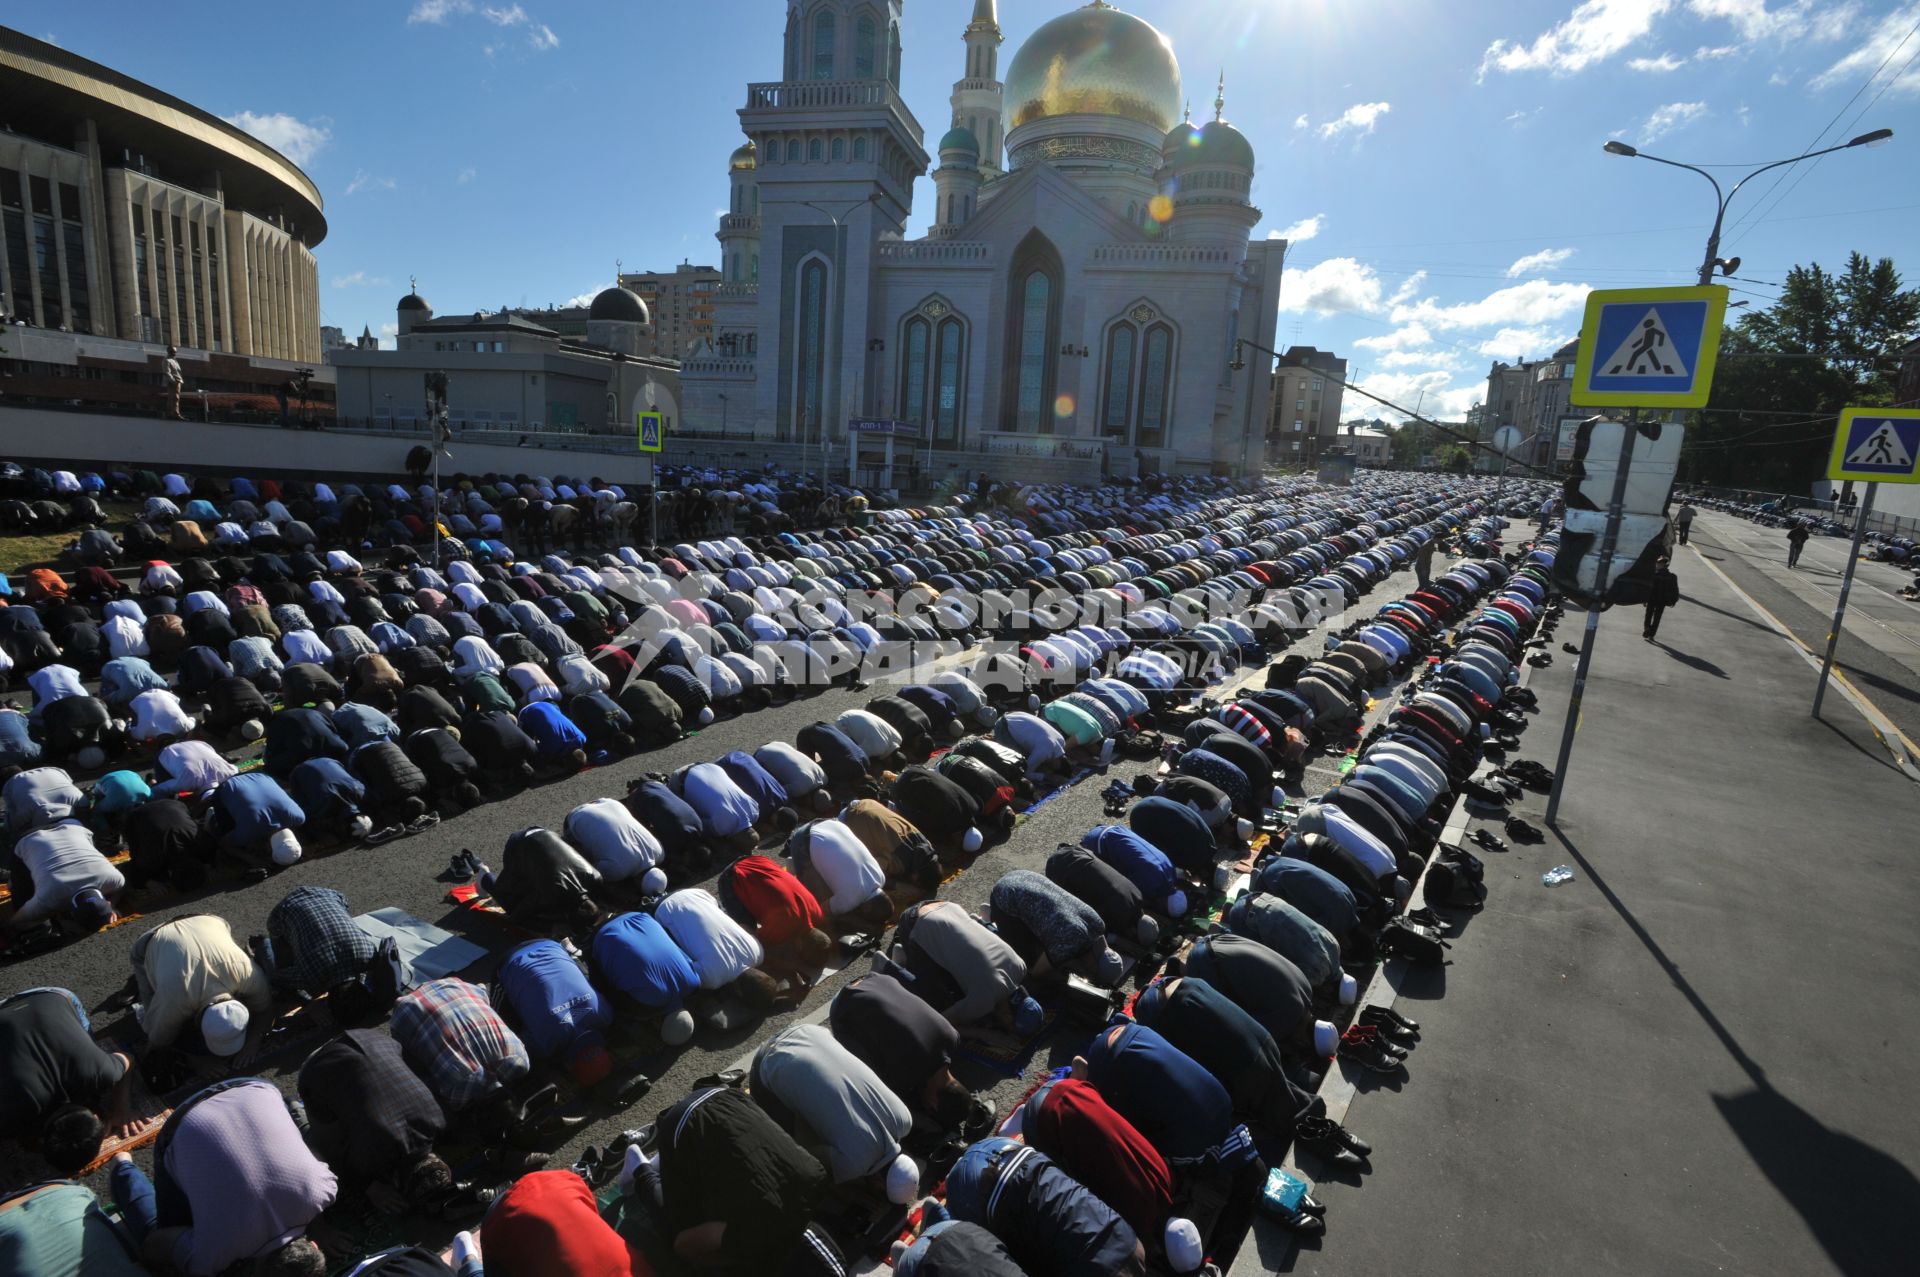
(635, 956)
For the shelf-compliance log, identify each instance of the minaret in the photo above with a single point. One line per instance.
(979, 102)
(1209, 176)
(739, 233)
(956, 183)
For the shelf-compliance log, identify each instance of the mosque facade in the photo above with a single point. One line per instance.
(1087, 272)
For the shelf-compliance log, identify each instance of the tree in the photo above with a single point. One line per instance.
(1787, 371)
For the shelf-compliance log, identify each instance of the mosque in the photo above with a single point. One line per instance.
(1079, 292)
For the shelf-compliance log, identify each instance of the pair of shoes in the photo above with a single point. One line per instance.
(1487, 840)
(464, 865)
(642, 1136)
(979, 1120)
(1387, 1015)
(1363, 1045)
(1331, 1142)
(1523, 831)
(731, 1078)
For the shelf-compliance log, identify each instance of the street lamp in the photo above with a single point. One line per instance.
(833, 330)
(1713, 259)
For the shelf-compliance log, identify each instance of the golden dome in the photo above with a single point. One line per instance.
(744, 160)
(1095, 61)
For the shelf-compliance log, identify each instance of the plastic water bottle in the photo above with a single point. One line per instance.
(1556, 875)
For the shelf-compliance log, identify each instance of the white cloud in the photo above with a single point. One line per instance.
(1704, 54)
(1660, 66)
(360, 279)
(583, 298)
(1796, 20)
(1301, 231)
(1300, 121)
(1420, 359)
(1780, 78)
(511, 16)
(1337, 284)
(1545, 259)
(1674, 115)
(436, 12)
(365, 181)
(1358, 118)
(467, 174)
(1408, 288)
(1411, 337)
(1519, 343)
(388, 332)
(543, 38)
(1520, 117)
(1530, 304)
(1880, 44)
(1593, 32)
(298, 140)
(1432, 393)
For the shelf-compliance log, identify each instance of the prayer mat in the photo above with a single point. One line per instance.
(1004, 1052)
(429, 951)
(146, 1109)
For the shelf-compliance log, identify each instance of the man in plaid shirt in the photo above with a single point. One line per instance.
(316, 946)
(454, 1039)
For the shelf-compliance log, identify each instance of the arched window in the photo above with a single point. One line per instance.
(839, 149)
(973, 127)
(946, 384)
(756, 268)
(823, 37)
(815, 151)
(913, 372)
(893, 56)
(1119, 382)
(1033, 323)
(859, 148)
(793, 150)
(812, 348)
(864, 40)
(793, 45)
(1156, 380)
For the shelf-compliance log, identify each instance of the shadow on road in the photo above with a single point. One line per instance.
(1856, 1200)
(1692, 662)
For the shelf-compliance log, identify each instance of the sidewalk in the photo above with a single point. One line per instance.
(1697, 1056)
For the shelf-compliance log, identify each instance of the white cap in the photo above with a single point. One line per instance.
(224, 1027)
(1349, 989)
(705, 715)
(677, 1029)
(251, 730)
(654, 881)
(1147, 930)
(285, 847)
(1109, 966)
(1244, 828)
(1184, 1252)
(972, 841)
(1326, 1039)
(1176, 904)
(360, 826)
(90, 757)
(903, 1180)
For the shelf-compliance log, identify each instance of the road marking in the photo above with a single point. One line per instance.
(1904, 751)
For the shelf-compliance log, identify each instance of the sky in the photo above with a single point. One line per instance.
(1436, 164)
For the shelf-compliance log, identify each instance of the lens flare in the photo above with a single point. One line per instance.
(1160, 209)
(1063, 406)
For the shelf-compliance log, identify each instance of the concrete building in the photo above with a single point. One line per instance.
(1532, 397)
(509, 374)
(1087, 274)
(1305, 414)
(129, 213)
(681, 303)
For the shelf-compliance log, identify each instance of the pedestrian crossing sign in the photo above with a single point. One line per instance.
(1649, 347)
(650, 430)
(1877, 445)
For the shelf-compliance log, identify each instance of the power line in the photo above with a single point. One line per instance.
(1813, 145)
(1537, 237)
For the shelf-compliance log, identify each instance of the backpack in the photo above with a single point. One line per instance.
(1448, 886)
(1464, 864)
(1419, 945)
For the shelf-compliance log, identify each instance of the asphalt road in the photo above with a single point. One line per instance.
(1880, 649)
(408, 873)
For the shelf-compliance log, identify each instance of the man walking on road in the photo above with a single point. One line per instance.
(1423, 561)
(1663, 593)
(1796, 541)
(1683, 521)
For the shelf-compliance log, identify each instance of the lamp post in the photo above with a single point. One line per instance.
(723, 415)
(1713, 258)
(839, 291)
